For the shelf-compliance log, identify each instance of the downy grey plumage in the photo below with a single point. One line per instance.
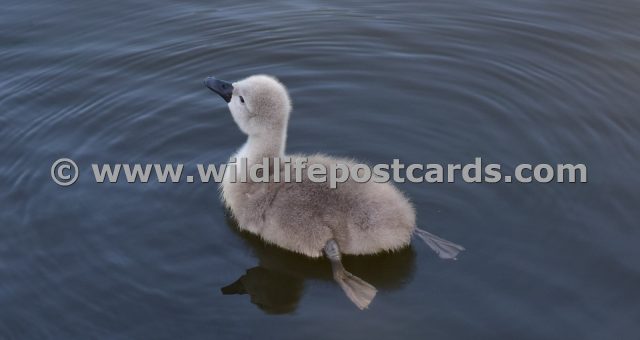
(308, 217)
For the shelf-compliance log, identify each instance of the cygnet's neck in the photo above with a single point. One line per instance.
(267, 144)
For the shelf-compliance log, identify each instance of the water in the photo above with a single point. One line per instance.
(427, 82)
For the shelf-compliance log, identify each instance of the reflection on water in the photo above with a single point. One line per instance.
(277, 283)
(272, 291)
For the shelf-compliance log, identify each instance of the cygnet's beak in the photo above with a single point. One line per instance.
(221, 87)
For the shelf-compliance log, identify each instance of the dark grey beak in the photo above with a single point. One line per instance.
(221, 87)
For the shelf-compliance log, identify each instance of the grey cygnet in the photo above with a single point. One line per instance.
(311, 218)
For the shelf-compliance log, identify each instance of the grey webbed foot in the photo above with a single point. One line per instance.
(357, 290)
(445, 249)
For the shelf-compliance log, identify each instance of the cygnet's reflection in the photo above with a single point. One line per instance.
(277, 283)
(271, 291)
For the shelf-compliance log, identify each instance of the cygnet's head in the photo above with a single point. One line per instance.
(259, 104)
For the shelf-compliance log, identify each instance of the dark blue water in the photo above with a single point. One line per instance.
(427, 82)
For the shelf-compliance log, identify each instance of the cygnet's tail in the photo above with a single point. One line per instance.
(357, 290)
(445, 249)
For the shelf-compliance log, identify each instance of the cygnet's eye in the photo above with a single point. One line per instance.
(241, 100)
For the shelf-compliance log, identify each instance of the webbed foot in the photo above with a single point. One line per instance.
(445, 249)
(357, 290)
